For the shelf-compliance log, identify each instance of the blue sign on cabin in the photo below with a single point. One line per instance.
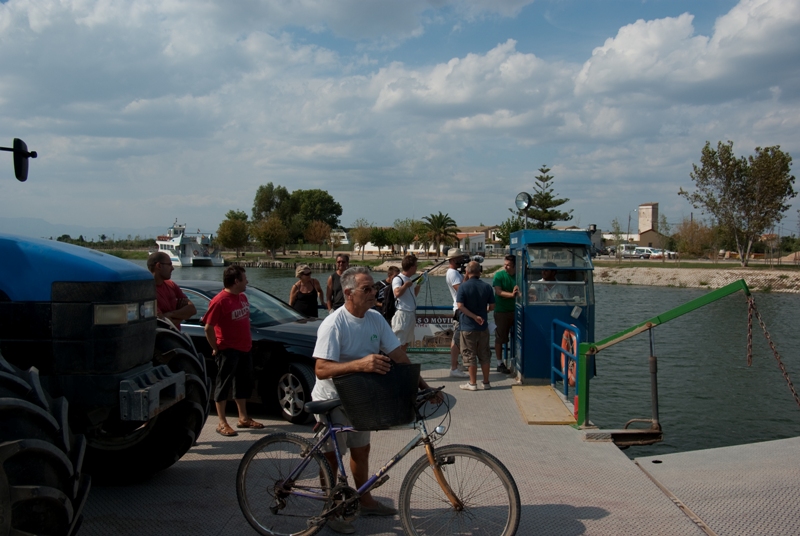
(554, 275)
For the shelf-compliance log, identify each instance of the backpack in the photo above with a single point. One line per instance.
(389, 305)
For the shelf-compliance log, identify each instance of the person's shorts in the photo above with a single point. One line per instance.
(234, 373)
(475, 347)
(403, 326)
(456, 331)
(505, 323)
(345, 441)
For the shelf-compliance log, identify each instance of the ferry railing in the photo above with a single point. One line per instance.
(628, 436)
(557, 349)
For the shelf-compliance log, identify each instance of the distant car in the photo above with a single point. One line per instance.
(283, 343)
(657, 254)
(643, 252)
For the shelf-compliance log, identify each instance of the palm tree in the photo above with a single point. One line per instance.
(442, 229)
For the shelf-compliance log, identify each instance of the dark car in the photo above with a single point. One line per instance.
(283, 341)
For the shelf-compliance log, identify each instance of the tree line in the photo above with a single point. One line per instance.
(280, 217)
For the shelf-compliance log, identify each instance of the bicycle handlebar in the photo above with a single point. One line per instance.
(427, 394)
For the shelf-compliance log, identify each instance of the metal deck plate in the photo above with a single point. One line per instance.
(568, 486)
(746, 489)
(540, 404)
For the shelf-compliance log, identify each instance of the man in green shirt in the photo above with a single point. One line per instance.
(505, 291)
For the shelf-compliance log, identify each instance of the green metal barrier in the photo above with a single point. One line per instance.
(586, 349)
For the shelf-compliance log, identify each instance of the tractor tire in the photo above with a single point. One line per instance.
(42, 487)
(131, 452)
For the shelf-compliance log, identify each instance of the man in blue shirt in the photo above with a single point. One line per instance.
(475, 298)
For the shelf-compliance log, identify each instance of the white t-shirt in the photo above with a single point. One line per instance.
(343, 337)
(453, 278)
(408, 301)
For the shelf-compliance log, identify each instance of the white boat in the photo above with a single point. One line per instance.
(189, 249)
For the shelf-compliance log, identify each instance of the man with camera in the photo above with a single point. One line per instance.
(457, 259)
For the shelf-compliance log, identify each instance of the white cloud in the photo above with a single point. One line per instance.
(160, 109)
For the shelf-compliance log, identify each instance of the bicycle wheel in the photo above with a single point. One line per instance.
(479, 480)
(267, 505)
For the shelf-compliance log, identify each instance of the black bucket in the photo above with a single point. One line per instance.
(379, 401)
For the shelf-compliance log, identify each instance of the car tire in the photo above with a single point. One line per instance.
(293, 392)
(42, 488)
(126, 452)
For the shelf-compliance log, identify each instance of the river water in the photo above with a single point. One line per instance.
(708, 397)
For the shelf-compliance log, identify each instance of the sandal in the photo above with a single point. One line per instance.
(249, 423)
(226, 430)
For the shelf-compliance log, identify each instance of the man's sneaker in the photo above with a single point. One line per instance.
(469, 386)
(456, 373)
(379, 509)
(503, 368)
(341, 526)
(487, 386)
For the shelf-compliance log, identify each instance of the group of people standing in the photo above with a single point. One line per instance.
(473, 299)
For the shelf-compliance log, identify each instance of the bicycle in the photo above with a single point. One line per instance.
(285, 485)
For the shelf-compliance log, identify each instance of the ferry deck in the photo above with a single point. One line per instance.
(568, 486)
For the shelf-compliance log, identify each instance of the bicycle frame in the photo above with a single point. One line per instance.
(376, 479)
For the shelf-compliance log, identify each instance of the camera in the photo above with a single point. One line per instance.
(462, 262)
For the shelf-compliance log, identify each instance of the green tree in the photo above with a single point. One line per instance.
(543, 210)
(360, 233)
(240, 215)
(616, 231)
(422, 235)
(312, 205)
(746, 196)
(271, 233)
(317, 232)
(405, 232)
(511, 225)
(270, 198)
(380, 237)
(442, 229)
(233, 233)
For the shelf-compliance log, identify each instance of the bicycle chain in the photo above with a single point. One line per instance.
(751, 308)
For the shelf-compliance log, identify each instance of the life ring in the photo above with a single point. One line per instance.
(569, 343)
(196, 253)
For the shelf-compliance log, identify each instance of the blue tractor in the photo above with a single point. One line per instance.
(92, 383)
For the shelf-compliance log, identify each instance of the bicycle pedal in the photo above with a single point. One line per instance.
(315, 521)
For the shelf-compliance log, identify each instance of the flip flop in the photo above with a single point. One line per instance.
(226, 430)
(250, 423)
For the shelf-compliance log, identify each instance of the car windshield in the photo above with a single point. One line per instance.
(265, 310)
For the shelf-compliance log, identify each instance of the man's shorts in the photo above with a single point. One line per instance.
(475, 347)
(234, 372)
(505, 322)
(456, 331)
(403, 323)
(345, 441)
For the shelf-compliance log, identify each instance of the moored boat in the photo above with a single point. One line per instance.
(189, 249)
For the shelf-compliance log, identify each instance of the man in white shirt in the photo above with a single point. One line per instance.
(456, 258)
(349, 340)
(405, 318)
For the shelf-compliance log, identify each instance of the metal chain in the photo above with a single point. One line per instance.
(752, 309)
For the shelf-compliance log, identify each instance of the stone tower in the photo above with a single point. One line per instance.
(648, 217)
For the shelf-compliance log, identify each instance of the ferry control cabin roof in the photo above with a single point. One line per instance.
(568, 250)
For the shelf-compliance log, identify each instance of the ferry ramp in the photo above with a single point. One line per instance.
(568, 486)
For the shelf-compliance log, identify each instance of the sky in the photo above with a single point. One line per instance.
(147, 111)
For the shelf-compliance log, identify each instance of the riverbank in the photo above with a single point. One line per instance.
(757, 280)
(671, 276)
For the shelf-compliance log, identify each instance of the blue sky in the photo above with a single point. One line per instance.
(147, 111)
